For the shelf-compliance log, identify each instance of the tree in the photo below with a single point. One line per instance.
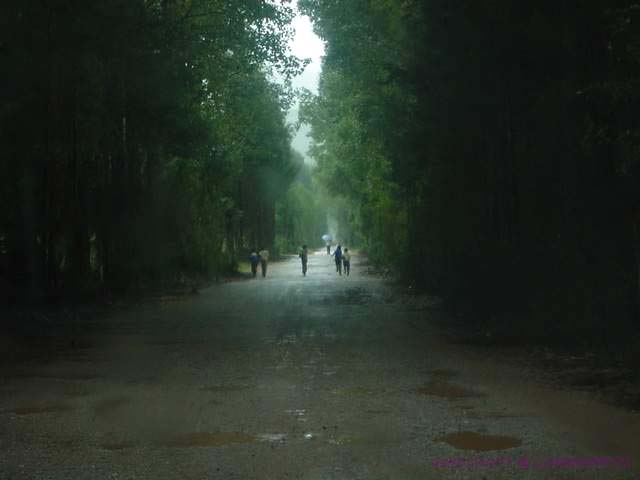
(120, 150)
(491, 141)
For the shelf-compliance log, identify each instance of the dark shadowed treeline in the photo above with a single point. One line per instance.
(491, 151)
(139, 139)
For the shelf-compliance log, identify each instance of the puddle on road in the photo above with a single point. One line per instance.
(203, 439)
(107, 405)
(57, 408)
(479, 442)
(446, 390)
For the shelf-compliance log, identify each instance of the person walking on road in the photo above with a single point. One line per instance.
(346, 261)
(304, 257)
(254, 259)
(338, 258)
(327, 240)
(264, 260)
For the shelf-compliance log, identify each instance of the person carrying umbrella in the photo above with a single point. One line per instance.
(327, 239)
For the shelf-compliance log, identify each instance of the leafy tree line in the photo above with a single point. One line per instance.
(490, 151)
(301, 214)
(139, 139)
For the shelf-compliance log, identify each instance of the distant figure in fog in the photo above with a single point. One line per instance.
(264, 260)
(327, 240)
(254, 259)
(304, 257)
(337, 254)
(346, 261)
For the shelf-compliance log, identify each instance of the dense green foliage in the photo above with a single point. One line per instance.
(139, 139)
(301, 214)
(490, 150)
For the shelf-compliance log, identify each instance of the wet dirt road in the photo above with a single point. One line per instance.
(291, 377)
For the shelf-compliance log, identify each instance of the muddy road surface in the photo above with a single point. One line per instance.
(290, 377)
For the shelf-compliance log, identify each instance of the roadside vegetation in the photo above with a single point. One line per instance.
(488, 153)
(140, 141)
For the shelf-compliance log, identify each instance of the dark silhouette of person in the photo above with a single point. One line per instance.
(337, 254)
(304, 258)
(254, 259)
(346, 261)
(264, 260)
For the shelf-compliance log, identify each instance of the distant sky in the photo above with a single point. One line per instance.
(305, 44)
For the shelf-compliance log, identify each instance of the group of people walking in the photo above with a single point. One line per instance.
(261, 257)
(342, 259)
